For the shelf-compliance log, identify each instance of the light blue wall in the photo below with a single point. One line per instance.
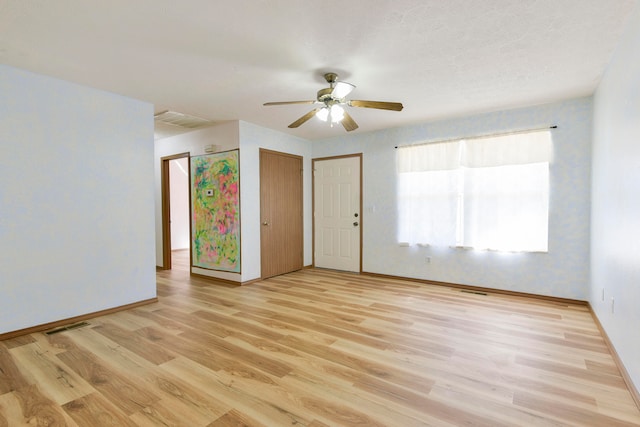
(562, 272)
(615, 238)
(76, 200)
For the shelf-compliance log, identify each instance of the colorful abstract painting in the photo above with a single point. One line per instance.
(215, 210)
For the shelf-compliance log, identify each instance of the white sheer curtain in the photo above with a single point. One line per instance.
(428, 213)
(506, 207)
(489, 193)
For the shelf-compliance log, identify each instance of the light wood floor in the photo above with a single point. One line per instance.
(318, 348)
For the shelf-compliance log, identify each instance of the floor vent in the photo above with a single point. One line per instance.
(467, 291)
(66, 328)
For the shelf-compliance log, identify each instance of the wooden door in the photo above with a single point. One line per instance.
(336, 213)
(281, 230)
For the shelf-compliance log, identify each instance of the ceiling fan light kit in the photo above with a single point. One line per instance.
(335, 113)
(323, 114)
(333, 100)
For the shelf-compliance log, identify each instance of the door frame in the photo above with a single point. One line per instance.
(313, 204)
(166, 207)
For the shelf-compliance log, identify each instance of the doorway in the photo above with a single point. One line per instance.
(175, 206)
(281, 210)
(337, 207)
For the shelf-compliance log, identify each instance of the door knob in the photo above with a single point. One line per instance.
(265, 223)
(355, 224)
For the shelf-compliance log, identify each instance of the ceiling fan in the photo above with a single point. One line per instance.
(332, 101)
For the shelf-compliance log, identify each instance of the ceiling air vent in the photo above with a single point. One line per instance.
(179, 119)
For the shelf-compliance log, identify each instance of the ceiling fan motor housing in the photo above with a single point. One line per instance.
(324, 94)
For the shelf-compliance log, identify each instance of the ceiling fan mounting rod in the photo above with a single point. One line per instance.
(326, 95)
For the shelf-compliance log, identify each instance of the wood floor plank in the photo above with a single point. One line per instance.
(186, 402)
(350, 403)
(37, 409)
(379, 370)
(471, 377)
(187, 348)
(605, 368)
(489, 409)
(97, 410)
(167, 325)
(313, 375)
(10, 376)
(151, 352)
(167, 414)
(584, 374)
(190, 321)
(319, 348)
(243, 399)
(125, 320)
(567, 413)
(234, 418)
(193, 407)
(238, 324)
(118, 389)
(18, 341)
(53, 377)
(286, 328)
(10, 411)
(57, 343)
(233, 353)
(338, 379)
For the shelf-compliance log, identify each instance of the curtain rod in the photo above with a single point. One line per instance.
(477, 136)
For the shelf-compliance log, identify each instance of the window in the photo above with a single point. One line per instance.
(485, 193)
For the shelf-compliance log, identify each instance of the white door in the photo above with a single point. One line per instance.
(337, 219)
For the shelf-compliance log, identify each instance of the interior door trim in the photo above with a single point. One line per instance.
(166, 207)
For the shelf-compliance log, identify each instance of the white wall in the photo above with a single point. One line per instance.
(249, 138)
(76, 200)
(615, 238)
(252, 138)
(179, 201)
(562, 272)
(226, 137)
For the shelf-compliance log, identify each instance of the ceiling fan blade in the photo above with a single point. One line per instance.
(348, 122)
(289, 102)
(341, 89)
(304, 118)
(381, 105)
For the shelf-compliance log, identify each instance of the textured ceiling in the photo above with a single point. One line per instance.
(221, 60)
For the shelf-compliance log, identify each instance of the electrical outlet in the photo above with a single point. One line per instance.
(427, 260)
